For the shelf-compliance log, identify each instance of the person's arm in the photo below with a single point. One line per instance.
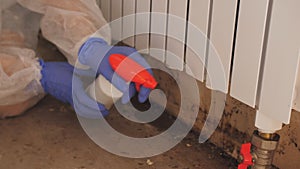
(24, 80)
(68, 24)
(20, 88)
(58, 79)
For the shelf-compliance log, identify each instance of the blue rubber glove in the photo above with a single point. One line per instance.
(95, 53)
(58, 81)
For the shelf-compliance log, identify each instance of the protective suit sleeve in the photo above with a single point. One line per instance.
(14, 20)
(20, 76)
(68, 24)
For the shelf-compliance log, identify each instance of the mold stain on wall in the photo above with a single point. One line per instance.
(237, 124)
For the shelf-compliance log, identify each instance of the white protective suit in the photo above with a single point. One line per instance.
(66, 23)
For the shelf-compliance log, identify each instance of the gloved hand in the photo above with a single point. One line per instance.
(58, 81)
(95, 53)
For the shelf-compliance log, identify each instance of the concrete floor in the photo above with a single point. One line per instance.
(49, 136)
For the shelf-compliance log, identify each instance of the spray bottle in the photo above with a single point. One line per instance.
(104, 92)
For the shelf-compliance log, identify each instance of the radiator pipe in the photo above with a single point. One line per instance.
(260, 152)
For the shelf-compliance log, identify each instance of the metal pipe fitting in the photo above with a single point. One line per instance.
(263, 149)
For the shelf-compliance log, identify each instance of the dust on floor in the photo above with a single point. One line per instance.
(49, 136)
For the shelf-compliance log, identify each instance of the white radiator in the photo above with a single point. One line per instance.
(258, 42)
